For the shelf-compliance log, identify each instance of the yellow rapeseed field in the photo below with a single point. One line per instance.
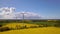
(13, 25)
(48, 30)
(43, 30)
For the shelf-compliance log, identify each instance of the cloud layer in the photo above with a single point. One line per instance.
(27, 15)
(8, 13)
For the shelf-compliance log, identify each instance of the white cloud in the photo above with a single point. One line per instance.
(8, 13)
(28, 15)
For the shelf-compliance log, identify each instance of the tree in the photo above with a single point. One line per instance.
(57, 23)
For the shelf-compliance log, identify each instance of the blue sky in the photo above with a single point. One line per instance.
(46, 8)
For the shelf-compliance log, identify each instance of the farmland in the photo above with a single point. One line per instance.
(30, 27)
(48, 30)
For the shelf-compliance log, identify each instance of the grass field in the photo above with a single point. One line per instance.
(48, 30)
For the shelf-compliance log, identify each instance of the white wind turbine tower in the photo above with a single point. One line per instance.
(23, 13)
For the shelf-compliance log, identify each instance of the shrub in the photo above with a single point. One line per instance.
(40, 25)
(23, 27)
(0, 25)
(4, 29)
(45, 25)
(20, 27)
(33, 26)
(57, 23)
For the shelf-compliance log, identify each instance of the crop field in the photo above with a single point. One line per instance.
(30, 27)
(48, 30)
(14, 25)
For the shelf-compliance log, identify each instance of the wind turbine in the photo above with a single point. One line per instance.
(23, 13)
